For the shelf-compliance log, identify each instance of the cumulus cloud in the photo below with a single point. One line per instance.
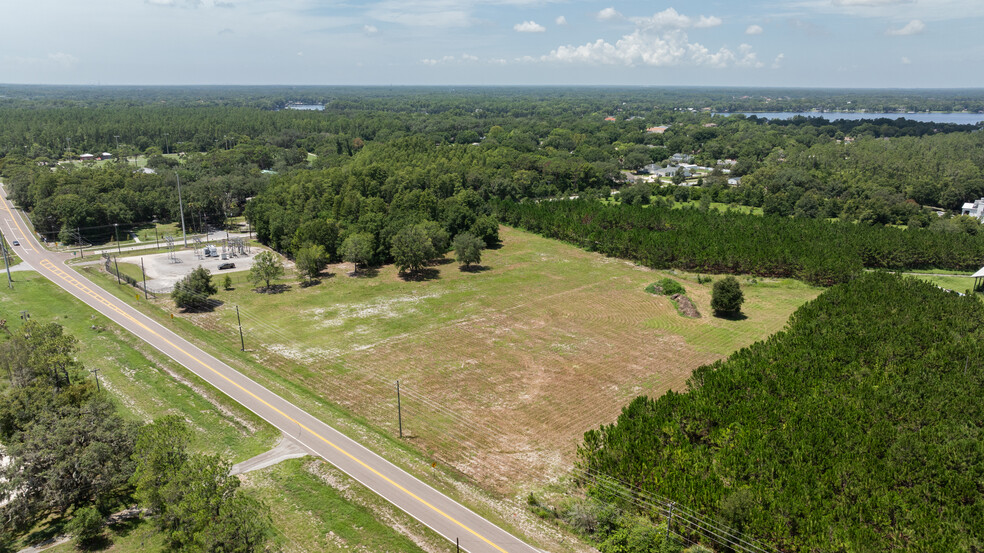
(754, 30)
(913, 27)
(777, 63)
(608, 14)
(671, 19)
(370, 29)
(561, 20)
(529, 27)
(906, 61)
(641, 48)
(450, 59)
(659, 40)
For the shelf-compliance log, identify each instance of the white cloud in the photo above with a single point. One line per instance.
(906, 60)
(561, 20)
(658, 40)
(671, 19)
(641, 48)
(529, 27)
(777, 63)
(747, 58)
(370, 29)
(913, 27)
(450, 60)
(754, 30)
(608, 14)
(63, 59)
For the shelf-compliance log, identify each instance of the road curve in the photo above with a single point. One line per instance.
(434, 509)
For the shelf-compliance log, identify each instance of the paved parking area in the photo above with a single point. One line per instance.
(165, 273)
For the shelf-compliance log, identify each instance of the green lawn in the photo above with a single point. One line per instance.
(503, 368)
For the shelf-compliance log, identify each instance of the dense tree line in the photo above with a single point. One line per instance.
(816, 251)
(858, 428)
(71, 453)
(500, 143)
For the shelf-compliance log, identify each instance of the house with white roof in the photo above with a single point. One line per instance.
(975, 209)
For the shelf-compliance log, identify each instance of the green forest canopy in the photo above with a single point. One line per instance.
(858, 428)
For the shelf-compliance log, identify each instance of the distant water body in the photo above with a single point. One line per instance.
(956, 118)
(306, 107)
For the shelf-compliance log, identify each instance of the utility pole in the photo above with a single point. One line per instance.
(157, 238)
(78, 234)
(96, 372)
(181, 207)
(115, 262)
(116, 232)
(399, 408)
(242, 341)
(144, 273)
(669, 518)
(6, 262)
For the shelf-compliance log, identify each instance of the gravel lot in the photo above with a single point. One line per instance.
(165, 274)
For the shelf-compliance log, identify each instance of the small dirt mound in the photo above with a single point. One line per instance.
(685, 306)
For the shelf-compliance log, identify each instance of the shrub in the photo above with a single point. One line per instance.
(192, 291)
(86, 525)
(727, 297)
(666, 287)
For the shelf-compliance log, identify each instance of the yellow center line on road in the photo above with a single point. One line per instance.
(54, 270)
(73, 281)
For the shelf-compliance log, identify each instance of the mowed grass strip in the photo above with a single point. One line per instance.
(304, 505)
(503, 368)
(145, 383)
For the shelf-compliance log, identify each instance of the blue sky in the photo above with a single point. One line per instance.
(805, 43)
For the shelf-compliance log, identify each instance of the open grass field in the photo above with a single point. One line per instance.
(314, 507)
(502, 369)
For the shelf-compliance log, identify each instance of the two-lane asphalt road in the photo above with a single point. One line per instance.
(445, 516)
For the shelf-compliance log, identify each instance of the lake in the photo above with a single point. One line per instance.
(306, 107)
(956, 118)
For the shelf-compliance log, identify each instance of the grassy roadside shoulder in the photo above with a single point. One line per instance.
(146, 384)
(509, 513)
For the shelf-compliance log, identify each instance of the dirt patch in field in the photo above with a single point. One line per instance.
(685, 306)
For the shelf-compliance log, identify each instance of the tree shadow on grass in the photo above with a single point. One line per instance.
(123, 528)
(98, 543)
(441, 261)
(474, 268)
(272, 289)
(738, 316)
(365, 272)
(212, 305)
(54, 528)
(421, 275)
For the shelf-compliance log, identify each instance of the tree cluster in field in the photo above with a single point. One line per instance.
(852, 430)
(815, 251)
(405, 202)
(71, 453)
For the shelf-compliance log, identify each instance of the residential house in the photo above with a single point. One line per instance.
(975, 209)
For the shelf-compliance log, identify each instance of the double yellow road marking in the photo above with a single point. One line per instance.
(76, 283)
